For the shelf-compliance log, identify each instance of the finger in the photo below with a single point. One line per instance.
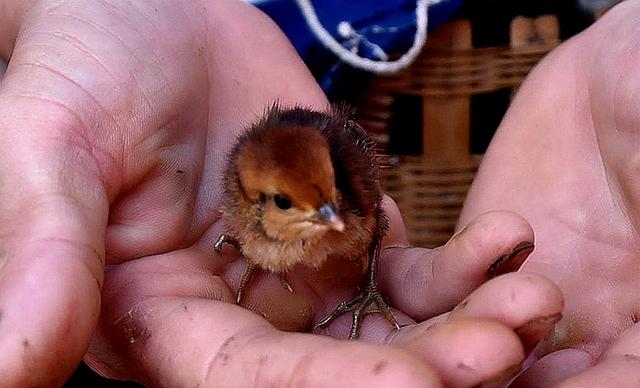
(529, 303)
(397, 235)
(189, 341)
(524, 306)
(619, 371)
(52, 220)
(424, 283)
(553, 368)
(619, 366)
(465, 352)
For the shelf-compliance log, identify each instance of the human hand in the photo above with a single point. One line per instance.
(114, 123)
(565, 158)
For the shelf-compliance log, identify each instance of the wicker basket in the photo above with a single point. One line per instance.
(430, 189)
(430, 194)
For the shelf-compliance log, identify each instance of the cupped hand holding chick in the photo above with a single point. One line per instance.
(116, 119)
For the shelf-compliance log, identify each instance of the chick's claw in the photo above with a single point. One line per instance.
(285, 284)
(369, 301)
(225, 239)
(246, 277)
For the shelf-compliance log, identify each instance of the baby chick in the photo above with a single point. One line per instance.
(302, 186)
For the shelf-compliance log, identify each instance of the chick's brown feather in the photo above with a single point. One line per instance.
(283, 160)
(283, 169)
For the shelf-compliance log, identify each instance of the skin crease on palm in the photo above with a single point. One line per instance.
(115, 118)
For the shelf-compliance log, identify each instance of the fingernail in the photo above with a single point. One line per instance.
(511, 261)
(533, 331)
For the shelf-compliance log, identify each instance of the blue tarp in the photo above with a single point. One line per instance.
(387, 24)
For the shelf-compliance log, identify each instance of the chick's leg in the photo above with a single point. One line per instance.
(369, 301)
(249, 269)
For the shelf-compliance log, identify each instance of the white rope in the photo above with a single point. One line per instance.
(352, 58)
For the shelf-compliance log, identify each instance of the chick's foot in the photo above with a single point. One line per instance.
(368, 302)
(225, 239)
(249, 269)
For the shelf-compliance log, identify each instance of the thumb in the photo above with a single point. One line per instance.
(53, 212)
(52, 219)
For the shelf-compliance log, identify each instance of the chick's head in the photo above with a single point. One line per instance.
(288, 174)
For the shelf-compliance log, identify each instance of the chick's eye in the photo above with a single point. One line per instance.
(282, 202)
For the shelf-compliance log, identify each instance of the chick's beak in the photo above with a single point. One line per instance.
(328, 214)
